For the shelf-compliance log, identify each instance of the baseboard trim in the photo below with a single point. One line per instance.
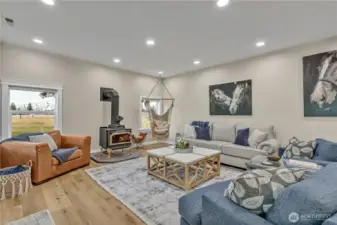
(144, 144)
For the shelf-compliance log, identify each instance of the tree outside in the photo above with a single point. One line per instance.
(30, 107)
(13, 106)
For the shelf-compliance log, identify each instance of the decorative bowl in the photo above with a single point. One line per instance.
(187, 150)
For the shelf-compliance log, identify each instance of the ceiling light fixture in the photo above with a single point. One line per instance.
(117, 60)
(196, 62)
(150, 42)
(160, 72)
(37, 41)
(260, 44)
(48, 2)
(222, 3)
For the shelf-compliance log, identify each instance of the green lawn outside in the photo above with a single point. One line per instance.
(38, 123)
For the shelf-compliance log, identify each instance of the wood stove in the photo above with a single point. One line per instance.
(114, 136)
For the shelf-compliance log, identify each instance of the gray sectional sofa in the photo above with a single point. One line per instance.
(223, 137)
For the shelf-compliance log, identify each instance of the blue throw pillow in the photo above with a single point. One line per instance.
(242, 137)
(199, 124)
(325, 150)
(202, 133)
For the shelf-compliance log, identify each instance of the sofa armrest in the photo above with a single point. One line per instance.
(82, 142)
(19, 153)
(219, 210)
(331, 221)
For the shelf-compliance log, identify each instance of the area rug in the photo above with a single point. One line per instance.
(151, 199)
(40, 218)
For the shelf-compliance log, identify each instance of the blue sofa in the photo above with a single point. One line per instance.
(208, 206)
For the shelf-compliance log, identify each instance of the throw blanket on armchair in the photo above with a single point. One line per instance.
(62, 155)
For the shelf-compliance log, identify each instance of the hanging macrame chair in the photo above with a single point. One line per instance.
(160, 124)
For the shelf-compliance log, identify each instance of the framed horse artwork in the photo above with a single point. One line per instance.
(233, 98)
(320, 84)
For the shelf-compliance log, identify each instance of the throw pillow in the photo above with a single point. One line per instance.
(189, 132)
(222, 132)
(202, 133)
(256, 190)
(256, 137)
(299, 149)
(242, 137)
(44, 138)
(325, 150)
(200, 124)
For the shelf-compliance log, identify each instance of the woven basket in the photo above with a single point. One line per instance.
(16, 184)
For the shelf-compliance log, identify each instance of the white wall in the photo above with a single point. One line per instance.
(83, 113)
(277, 82)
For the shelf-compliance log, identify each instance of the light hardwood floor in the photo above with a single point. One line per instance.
(73, 199)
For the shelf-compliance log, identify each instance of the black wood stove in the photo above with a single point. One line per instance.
(114, 136)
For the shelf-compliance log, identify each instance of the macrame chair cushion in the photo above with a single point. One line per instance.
(160, 124)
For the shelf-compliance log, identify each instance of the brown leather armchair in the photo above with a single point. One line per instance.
(45, 166)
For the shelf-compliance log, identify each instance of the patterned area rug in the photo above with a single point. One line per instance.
(151, 199)
(40, 218)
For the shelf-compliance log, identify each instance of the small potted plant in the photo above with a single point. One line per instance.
(183, 146)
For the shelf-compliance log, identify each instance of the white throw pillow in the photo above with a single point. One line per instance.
(256, 137)
(223, 132)
(189, 132)
(44, 138)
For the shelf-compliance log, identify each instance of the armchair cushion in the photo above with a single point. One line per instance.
(77, 153)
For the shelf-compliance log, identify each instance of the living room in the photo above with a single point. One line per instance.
(157, 112)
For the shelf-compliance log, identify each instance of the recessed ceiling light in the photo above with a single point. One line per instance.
(222, 3)
(150, 42)
(160, 72)
(37, 41)
(117, 60)
(196, 62)
(260, 44)
(48, 2)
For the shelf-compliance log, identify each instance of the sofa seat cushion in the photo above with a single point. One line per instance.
(76, 154)
(217, 145)
(316, 195)
(240, 151)
(190, 205)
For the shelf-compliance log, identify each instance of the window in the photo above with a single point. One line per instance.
(31, 110)
(145, 104)
(42, 114)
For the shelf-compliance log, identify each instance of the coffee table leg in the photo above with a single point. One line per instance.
(218, 165)
(148, 163)
(165, 170)
(187, 185)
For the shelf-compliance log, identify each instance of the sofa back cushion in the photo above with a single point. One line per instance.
(56, 135)
(325, 150)
(223, 132)
(256, 190)
(314, 196)
(202, 133)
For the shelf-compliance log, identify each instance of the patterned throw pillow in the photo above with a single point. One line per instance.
(297, 149)
(256, 190)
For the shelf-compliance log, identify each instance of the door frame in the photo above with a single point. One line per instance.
(5, 95)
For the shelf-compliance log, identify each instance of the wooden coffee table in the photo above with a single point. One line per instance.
(185, 170)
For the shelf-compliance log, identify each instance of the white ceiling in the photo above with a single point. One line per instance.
(184, 31)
